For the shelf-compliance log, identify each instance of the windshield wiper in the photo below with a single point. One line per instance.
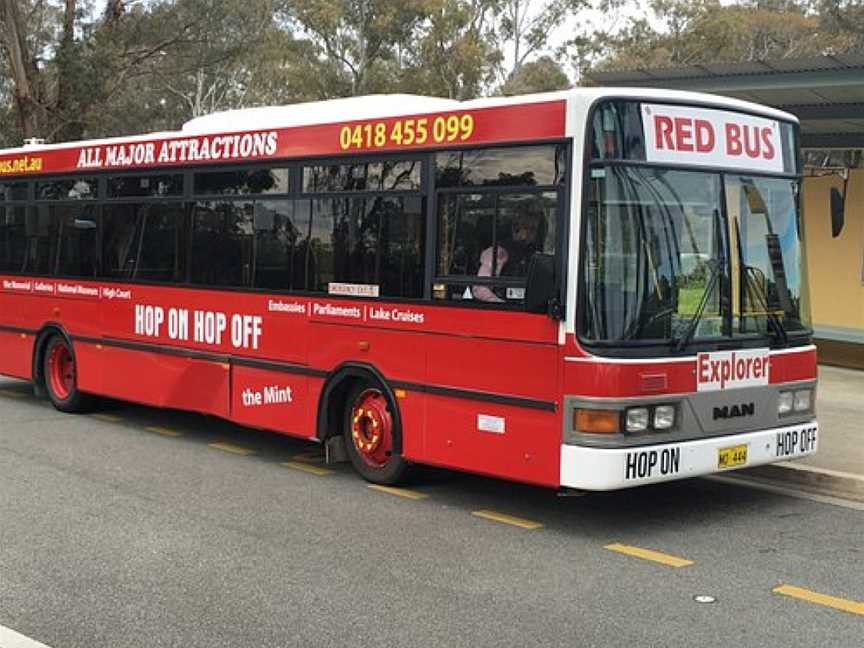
(717, 267)
(752, 287)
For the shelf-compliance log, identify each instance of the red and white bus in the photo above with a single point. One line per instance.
(592, 289)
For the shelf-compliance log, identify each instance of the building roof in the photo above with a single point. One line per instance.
(825, 92)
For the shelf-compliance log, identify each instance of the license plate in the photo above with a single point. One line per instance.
(730, 457)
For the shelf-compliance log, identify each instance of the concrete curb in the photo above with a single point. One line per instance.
(809, 478)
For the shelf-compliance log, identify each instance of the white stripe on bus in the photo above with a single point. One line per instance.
(603, 360)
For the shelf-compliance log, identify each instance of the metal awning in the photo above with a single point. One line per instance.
(826, 92)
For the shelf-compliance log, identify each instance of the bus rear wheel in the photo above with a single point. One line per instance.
(61, 377)
(371, 431)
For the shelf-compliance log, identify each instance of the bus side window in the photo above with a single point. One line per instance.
(161, 239)
(222, 243)
(119, 241)
(13, 240)
(75, 249)
(282, 252)
(402, 247)
(374, 241)
(486, 241)
(497, 208)
(41, 239)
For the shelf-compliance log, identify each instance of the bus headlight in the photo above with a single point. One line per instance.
(784, 403)
(637, 419)
(664, 417)
(802, 400)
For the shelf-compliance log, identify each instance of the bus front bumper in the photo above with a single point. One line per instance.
(607, 468)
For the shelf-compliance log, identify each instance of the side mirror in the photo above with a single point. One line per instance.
(838, 209)
(540, 286)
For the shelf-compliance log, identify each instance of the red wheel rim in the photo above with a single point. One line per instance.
(61, 371)
(372, 428)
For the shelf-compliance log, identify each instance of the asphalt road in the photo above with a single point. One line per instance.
(128, 528)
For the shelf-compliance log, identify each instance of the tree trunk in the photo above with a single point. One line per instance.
(65, 56)
(22, 69)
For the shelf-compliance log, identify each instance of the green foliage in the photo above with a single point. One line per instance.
(542, 75)
(844, 17)
(690, 32)
(354, 42)
(526, 26)
(91, 68)
(451, 53)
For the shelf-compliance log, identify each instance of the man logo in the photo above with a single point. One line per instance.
(735, 411)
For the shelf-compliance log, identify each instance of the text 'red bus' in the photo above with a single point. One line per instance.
(593, 289)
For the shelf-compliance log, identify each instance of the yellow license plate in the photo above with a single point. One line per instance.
(730, 457)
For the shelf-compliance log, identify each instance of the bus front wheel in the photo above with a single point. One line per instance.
(370, 431)
(61, 376)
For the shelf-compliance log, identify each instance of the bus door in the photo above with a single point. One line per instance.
(492, 407)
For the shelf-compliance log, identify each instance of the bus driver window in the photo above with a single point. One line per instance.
(511, 256)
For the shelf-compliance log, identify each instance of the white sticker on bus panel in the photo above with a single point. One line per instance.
(352, 290)
(716, 138)
(720, 370)
(494, 424)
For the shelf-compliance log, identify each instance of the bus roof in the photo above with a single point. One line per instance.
(392, 105)
(315, 129)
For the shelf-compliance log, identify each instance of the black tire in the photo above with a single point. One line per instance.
(65, 398)
(394, 468)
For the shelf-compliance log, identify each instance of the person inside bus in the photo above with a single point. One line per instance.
(511, 257)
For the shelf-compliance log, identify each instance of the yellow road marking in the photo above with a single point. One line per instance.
(821, 599)
(399, 492)
(13, 394)
(305, 467)
(648, 554)
(309, 457)
(108, 418)
(167, 432)
(233, 449)
(522, 523)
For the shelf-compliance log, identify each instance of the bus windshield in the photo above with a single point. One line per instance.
(674, 256)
